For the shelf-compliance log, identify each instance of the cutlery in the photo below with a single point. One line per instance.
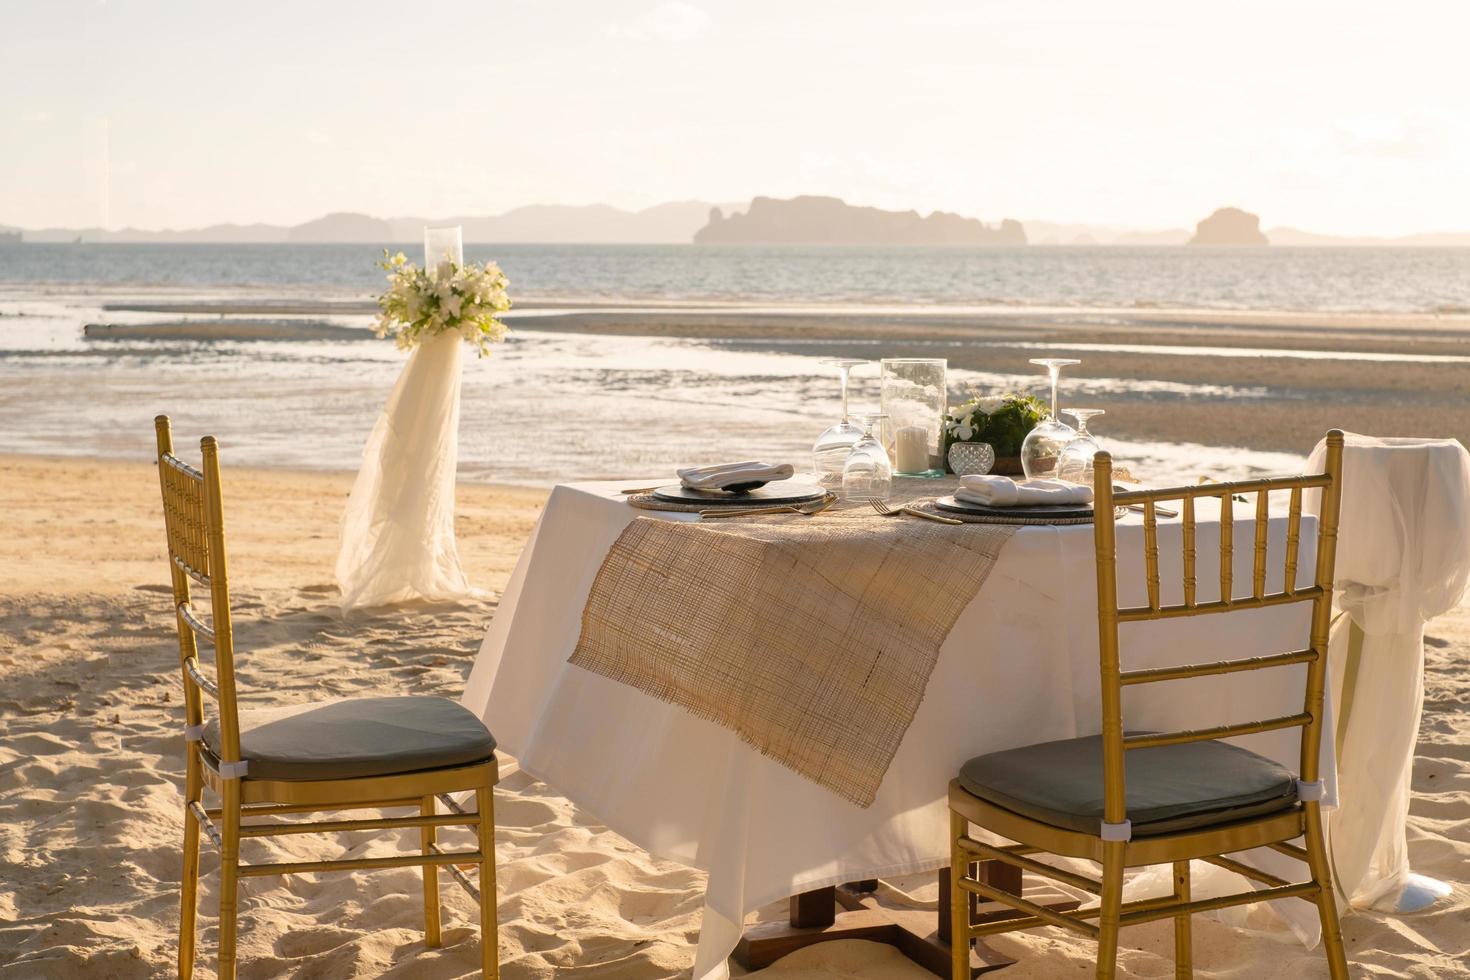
(632, 490)
(1139, 508)
(1161, 511)
(805, 510)
(887, 511)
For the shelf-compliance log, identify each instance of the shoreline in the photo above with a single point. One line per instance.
(307, 300)
(1256, 381)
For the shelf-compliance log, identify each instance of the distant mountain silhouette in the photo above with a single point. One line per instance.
(1229, 226)
(344, 226)
(678, 222)
(590, 223)
(573, 224)
(831, 221)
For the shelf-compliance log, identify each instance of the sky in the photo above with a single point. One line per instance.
(1342, 117)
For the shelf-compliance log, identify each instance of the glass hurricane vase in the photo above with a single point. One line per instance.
(915, 398)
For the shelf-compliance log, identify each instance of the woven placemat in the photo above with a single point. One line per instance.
(812, 638)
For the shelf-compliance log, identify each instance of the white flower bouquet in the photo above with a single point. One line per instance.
(1002, 422)
(453, 298)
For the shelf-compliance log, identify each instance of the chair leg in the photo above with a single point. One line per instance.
(427, 808)
(1112, 902)
(1326, 901)
(189, 898)
(489, 930)
(959, 900)
(229, 862)
(1183, 943)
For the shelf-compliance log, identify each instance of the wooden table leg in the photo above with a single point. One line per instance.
(814, 910)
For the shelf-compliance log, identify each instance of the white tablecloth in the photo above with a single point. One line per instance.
(1403, 558)
(1019, 667)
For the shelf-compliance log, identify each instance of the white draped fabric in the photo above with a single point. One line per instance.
(398, 532)
(1403, 557)
(1019, 667)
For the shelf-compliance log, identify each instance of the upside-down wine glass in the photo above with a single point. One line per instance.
(1075, 464)
(829, 453)
(867, 474)
(1043, 445)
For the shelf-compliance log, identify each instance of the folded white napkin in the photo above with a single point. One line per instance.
(722, 475)
(1000, 491)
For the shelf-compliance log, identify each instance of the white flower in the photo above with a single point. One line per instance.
(463, 300)
(965, 432)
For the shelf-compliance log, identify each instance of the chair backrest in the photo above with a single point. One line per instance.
(1314, 654)
(194, 521)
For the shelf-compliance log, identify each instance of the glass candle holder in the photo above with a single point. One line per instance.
(915, 399)
(441, 245)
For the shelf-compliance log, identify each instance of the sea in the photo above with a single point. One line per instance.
(551, 405)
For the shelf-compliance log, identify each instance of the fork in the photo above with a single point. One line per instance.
(886, 511)
(805, 510)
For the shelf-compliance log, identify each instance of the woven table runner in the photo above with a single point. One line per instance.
(813, 638)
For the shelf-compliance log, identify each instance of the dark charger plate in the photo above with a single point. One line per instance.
(782, 492)
(1046, 510)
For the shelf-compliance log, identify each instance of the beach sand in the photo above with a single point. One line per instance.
(91, 760)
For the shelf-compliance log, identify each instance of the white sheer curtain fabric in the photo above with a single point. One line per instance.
(1403, 558)
(397, 538)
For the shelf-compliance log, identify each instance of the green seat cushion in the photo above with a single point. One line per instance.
(1170, 788)
(356, 737)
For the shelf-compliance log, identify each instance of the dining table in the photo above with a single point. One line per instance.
(1018, 666)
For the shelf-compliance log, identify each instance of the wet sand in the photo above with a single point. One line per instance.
(1297, 398)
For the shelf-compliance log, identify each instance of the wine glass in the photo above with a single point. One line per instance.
(867, 474)
(1043, 444)
(1075, 464)
(830, 451)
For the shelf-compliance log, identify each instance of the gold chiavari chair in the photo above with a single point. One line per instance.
(1165, 798)
(350, 754)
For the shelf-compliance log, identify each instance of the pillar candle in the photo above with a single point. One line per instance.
(911, 449)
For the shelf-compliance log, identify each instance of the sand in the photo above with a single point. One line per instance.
(91, 767)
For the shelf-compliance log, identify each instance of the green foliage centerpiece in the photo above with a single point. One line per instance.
(1001, 422)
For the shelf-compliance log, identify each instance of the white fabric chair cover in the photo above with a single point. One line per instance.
(1403, 558)
(398, 532)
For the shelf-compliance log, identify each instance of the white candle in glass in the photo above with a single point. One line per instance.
(911, 449)
(441, 244)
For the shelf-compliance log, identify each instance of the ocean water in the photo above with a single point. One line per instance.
(551, 406)
(546, 407)
(1419, 280)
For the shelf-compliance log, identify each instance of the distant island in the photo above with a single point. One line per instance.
(765, 219)
(1230, 226)
(810, 220)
